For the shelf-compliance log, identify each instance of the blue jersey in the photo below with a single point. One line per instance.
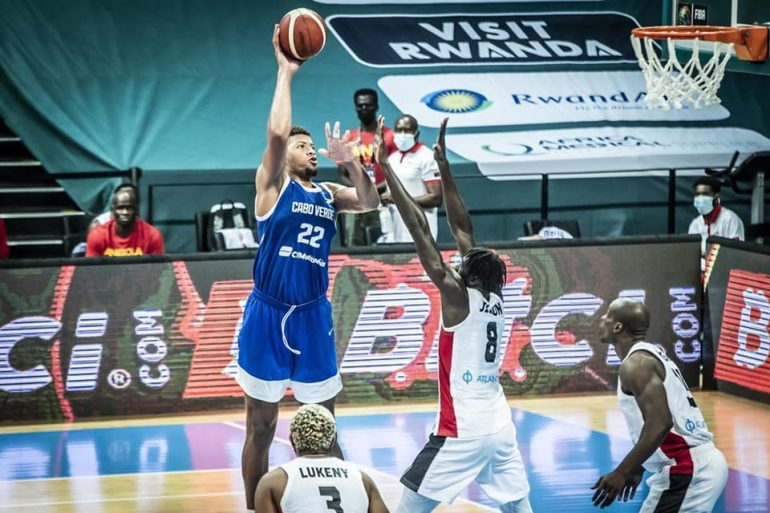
(295, 237)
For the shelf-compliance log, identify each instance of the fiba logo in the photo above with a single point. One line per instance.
(456, 101)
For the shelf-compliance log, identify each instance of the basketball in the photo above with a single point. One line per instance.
(302, 33)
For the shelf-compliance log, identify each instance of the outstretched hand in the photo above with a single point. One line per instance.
(380, 146)
(339, 149)
(284, 61)
(439, 149)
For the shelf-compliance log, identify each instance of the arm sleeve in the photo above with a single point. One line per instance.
(430, 170)
(736, 229)
(95, 244)
(693, 229)
(156, 243)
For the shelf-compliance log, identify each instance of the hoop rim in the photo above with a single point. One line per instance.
(713, 33)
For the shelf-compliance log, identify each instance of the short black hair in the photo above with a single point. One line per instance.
(127, 186)
(708, 181)
(366, 92)
(298, 130)
(488, 267)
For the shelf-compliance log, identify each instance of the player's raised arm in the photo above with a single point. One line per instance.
(457, 214)
(270, 175)
(363, 196)
(453, 293)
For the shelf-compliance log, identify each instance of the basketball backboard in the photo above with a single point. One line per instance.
(724, 13)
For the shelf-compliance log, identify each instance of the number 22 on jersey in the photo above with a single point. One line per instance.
(310, 235)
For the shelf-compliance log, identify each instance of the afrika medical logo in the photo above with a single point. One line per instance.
(456, 101)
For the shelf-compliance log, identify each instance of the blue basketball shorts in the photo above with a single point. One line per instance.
(284, 345)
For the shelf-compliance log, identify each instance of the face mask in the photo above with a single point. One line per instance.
(404, 141)
(703, 204)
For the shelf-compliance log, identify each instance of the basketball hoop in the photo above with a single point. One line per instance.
(693, 83)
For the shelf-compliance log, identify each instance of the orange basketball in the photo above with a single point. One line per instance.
(302, 33)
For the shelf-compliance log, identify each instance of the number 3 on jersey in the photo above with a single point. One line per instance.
(310, 235)
(334, 495)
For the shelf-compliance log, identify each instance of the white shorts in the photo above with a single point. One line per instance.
(273, 391)
(689, 493)
(446, 466)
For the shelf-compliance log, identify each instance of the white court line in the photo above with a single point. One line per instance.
(125, 474)
(119, 499)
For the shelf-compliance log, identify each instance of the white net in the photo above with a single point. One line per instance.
(676, 85)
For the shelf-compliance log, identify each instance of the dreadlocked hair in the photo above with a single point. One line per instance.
(487, 267)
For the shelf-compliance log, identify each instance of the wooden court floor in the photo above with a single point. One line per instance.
(192, 463)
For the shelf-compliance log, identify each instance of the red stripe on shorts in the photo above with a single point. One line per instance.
(676, 448)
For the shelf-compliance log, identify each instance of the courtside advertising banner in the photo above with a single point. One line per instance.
(531, 98)
(510, 155)
(473, 39)
(136, 338)
(738, 305)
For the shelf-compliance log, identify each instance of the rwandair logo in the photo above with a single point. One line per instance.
(456, 101)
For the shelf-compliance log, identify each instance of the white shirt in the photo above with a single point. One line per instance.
(471, 399)
(320, 485)
(727, 225)
(414, 168)
(689, 428)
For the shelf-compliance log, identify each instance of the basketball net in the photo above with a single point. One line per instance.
(676, 85)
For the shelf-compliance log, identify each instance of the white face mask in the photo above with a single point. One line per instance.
(703, 204)
(404, 141)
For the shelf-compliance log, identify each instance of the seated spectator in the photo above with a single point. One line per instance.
(126, 234)
(714, 218)
(3, 240)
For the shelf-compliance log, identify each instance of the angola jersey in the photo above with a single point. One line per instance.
(320, 485)
(295, 239)
(689, 430)
(471, 400)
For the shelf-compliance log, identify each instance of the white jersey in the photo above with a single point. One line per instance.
(415, 168)
(689, 430)
(471, 400)
(320, 485)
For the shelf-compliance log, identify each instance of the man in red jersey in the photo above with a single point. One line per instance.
(355, 225)
(126, 234)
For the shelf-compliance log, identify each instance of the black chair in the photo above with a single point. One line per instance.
(201, 224)
(758, 233)
(753, 170)
(570, 226)
(75, 232)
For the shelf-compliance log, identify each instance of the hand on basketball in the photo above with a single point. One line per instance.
(339, 149)
(439, 149)
(380, 146)
(283, 60)
(615, 485)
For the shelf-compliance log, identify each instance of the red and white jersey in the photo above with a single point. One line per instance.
(689, 428)
(471, 400)
(317, 485)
